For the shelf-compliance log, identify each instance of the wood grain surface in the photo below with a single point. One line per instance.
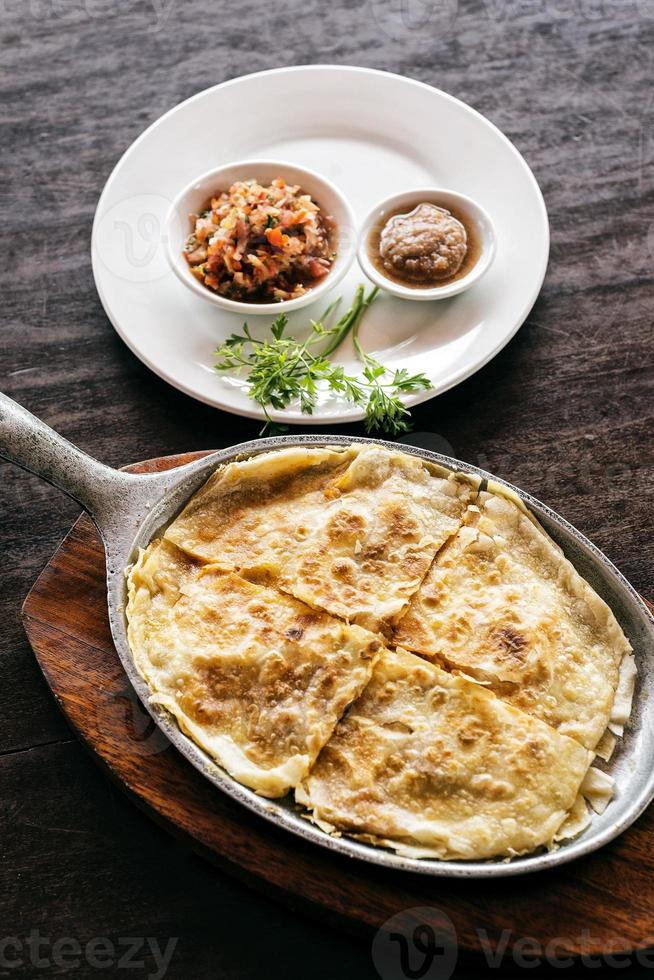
(600, 903)
(565, 411)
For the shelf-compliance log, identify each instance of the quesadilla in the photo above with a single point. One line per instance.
(502, 604)
(351, 532)
(264, 622)
(254, 677)
(430, 763)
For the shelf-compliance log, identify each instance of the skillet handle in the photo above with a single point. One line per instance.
(32, 444)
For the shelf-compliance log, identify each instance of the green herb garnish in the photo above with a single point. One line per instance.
(282, 369)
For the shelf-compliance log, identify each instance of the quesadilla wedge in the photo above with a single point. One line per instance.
(502, 604)
(351, 532)
(246, 515)
(431, 764)
(254, 677)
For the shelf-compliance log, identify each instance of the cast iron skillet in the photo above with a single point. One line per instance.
(129, 510)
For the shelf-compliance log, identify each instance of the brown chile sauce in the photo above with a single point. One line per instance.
(470, 259)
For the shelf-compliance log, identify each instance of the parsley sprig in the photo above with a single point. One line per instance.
(281, 369)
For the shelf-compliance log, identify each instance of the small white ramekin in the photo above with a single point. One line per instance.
(465, 206)
(195, 195)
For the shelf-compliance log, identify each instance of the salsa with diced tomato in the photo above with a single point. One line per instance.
(261, 243)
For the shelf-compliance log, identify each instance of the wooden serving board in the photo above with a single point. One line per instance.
(601, 903)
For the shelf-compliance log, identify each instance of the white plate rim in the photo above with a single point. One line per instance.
(349, 414)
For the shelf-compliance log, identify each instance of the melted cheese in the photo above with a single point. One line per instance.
(256, 678)
(503, 604)
(429, 760)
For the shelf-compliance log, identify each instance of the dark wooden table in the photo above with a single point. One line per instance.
(565, 411)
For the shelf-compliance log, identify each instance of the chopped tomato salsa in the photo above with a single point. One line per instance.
(258, 243)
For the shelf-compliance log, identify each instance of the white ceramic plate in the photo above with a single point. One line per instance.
(372, 134)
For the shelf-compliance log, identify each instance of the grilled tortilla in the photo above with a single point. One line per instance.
(502, 604)
(256, 678)
(245, 517)
(349, 531)
(430, 763)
